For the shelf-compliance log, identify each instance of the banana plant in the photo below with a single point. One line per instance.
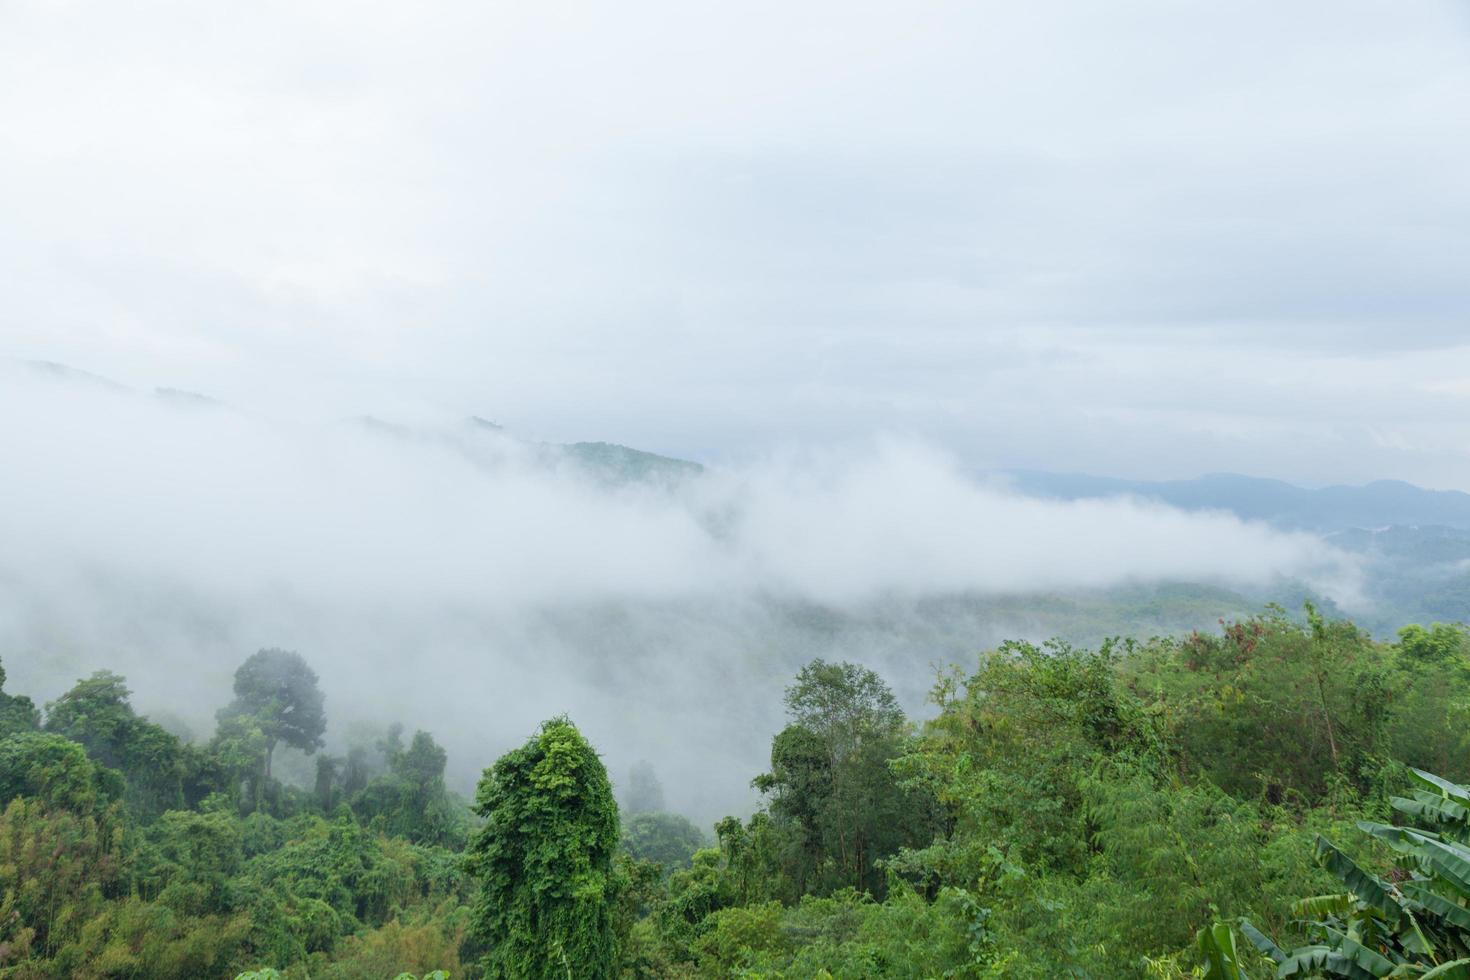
(1414, 924)
(1217, 949)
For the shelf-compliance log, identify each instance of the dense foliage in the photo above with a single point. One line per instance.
(1253, 802)
(126, 851)
(544, 859)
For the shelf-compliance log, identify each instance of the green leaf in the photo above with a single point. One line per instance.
(1371, 960)
(1217, 948)
(1405, 840)
(1451, 863)
(1262, 942)
(1445, 788)
(1316, 960)
(1368, 888)
(1435, 809)
(1320, 906)
(1452, 913)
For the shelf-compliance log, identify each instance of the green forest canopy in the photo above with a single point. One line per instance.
(1170, 807)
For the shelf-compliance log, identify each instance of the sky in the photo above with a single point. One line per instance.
(1141, 238)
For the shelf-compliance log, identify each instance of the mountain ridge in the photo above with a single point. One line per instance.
(1376, 504)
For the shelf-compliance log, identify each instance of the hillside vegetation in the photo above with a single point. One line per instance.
(1066, 812)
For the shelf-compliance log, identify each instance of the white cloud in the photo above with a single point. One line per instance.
(454, 580)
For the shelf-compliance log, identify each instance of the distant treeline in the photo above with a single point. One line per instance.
(1066, 813)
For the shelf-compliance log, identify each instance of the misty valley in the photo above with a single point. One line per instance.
(368, 699)
(692, 490)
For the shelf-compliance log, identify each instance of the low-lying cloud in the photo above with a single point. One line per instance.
(455, 579)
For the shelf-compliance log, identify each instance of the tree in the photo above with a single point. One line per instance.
(665, 838)
(544, 860)
(355, 770)
(1270, 707)
(56, 771)
(844, 705)
(1412, 923)
(645, 792)
(238, 751)
(98, 714)
(58, 866)
(421, 765)
(830, 778)
(328, 773)
(411, 800)
(1440, 643)
(17, 713)
(279, 690)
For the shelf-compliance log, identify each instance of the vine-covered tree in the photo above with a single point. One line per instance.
(279, 690)
(544, 860)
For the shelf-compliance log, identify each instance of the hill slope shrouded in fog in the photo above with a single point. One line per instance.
(1412, 544)
(659, 600)
(1379, 504)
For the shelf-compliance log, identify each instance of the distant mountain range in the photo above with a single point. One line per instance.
(1381, 504)
(605, 463)
(1413, 544)
(1371, 506)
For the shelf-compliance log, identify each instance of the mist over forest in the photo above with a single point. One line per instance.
(234, 620)
(453, 572)
(680, 490)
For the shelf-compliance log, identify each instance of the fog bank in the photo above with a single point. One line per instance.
(456, 579)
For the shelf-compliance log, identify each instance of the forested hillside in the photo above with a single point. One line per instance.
(1064, 812)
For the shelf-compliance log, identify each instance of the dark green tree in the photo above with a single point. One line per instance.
(279, 690)
(544, 860)
(667, 839)
(831, 782)
(328, 779)
(645, 794)
(411, 800)
(98, 714)
(17, 713)
(1272, 707)
(421, 765)
(1440, 643)
(355, 770)
(56, 771)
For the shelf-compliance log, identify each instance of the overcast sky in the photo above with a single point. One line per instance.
(1139, 237)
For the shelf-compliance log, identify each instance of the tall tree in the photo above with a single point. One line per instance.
(17, 713)
(279, 690)
(645, 794)
(830, 779)
(544, 859)
(1440, 643)
(421, 765)
(411, 799)
(97, 712)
